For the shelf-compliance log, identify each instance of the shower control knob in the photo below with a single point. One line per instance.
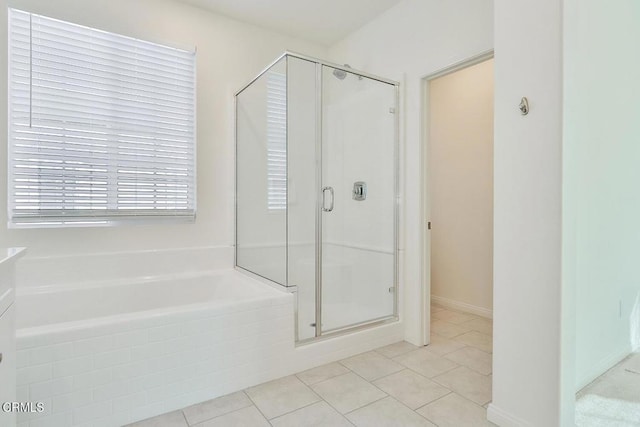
(359, 191)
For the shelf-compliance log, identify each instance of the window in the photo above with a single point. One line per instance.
(276, 141)
(101, 126)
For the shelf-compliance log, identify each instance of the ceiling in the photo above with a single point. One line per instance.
(321, 21)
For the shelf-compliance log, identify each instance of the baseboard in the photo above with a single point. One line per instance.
(602, 366)
(503, 419)
(462, 306)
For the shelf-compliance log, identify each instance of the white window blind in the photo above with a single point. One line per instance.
(101, 126)
(276, 141)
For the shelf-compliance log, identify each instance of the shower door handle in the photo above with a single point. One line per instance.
(324, 199)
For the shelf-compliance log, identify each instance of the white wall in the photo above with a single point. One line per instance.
(602, 158)
(527, 214)
(229, 54)
(460, 174)
(407, 42)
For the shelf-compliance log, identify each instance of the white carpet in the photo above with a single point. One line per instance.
(612, 400)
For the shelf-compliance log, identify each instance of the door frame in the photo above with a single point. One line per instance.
(425, 191)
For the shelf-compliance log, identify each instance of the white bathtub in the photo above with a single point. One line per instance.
(113, 353)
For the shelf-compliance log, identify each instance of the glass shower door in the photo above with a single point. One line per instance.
(358, 206)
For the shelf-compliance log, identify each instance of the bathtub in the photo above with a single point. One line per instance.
(107, 354)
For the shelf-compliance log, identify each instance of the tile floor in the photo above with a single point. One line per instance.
(613, 399)
(447, 383)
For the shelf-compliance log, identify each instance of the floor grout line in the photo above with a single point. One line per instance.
(397, 355)
(297, 409)
(254, 404)
(368, 382)
(185, 417)
(327, 402)
(336, 409)
(404, 368)
(432, 378)
(368, 404)
(217, 416)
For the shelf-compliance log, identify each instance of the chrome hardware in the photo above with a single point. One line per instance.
(324, 199)
(359, 191)
(392, 289)
(524, 106)
(0, 357)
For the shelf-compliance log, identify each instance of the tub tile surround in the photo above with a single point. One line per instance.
(116, 379)
(8, 353)
(336, 394)
(117, 370)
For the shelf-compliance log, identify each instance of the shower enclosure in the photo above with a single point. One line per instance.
(317, 191)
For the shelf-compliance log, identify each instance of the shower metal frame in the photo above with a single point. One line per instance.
(319, 333)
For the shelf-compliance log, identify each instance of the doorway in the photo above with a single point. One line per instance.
(458, 194)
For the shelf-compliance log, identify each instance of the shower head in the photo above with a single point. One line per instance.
(340, 74)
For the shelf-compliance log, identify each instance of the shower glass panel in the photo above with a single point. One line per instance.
(358, 175)
(261, 173)
(302, 114)
(316, 191)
